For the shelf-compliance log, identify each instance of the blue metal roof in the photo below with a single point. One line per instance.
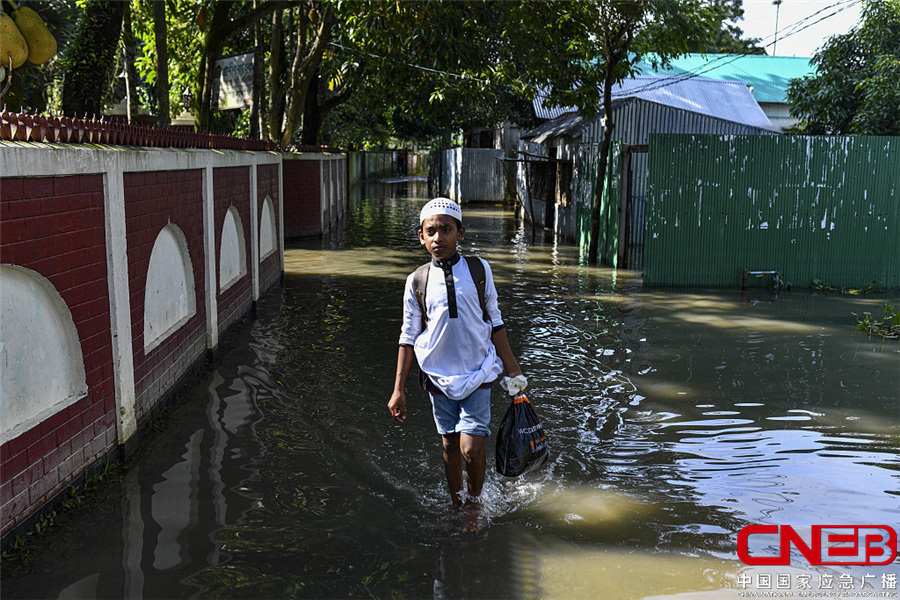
(769, 75)
(727, 100)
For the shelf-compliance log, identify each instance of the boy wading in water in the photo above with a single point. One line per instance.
(461, 347)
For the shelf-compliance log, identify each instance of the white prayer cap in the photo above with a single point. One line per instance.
(441, 206)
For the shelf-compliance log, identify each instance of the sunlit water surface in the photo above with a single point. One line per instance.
(675, 418)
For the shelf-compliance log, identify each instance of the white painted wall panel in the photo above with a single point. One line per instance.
(41, 365)
(169, 299)
(233, 252)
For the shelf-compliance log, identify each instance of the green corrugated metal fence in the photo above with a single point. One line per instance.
(584, 180)
(825, 208)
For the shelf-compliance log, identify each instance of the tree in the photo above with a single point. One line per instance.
(34, 88)
(423, 64)
(314, 29)
(162, 63)
(128, 48)
(729, 37)
(426, 68)
(856, 87)
(226, 20)
(90, 58)
(597, 44)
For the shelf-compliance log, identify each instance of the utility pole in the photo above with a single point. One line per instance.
(777, 4)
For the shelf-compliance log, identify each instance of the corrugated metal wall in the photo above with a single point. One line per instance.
(472, 174)
(825, 208)
(584, 179)
(635, 120)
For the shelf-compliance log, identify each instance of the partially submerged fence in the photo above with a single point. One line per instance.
(825, 208)
(374, 165)
(584, 181)
(467, 174)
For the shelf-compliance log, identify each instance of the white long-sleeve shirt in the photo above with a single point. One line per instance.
(456, 353)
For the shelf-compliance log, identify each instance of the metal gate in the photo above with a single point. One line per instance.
(634, 165)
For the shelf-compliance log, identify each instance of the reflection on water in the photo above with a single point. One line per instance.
(676, 417)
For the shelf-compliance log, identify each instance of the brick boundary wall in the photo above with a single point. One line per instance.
(302, 215)
(231, 187)
(267, 186)
(315, 193)
(85, 217)
(152, 200)
(54, 226)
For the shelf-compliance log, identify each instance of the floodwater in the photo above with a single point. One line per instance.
(675, 419)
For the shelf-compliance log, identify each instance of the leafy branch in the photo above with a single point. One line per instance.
(887, 328)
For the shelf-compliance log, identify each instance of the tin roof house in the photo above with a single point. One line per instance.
(768, 77)
(555, 183)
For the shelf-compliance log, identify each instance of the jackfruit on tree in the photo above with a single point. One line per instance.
(12, 45)
(41, 43)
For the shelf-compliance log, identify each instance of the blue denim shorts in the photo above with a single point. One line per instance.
(471, 415)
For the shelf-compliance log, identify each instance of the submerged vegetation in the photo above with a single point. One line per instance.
(888, 327)
(19, 548)
(864, 290)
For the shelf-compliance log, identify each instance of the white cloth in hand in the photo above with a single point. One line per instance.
(514, 385)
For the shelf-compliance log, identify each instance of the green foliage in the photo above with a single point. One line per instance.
(393, 72)
(89, 60)
(856, 88)
(421, 69)
(728, 38)
(36, 88)
(865, 290)
(888, 327)
(594, 43)
(185, 43)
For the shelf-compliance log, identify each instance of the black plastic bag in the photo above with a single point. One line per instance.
(521, 443)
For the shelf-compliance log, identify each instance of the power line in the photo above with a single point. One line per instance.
(848, 3)
(710, 66)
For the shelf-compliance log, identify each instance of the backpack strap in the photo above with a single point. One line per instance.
(420, 282)
(476, 269)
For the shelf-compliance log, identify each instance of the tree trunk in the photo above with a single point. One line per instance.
(256, 115)
(302, 73)
(602, 162)
(131, 96)
(276, 65)
(162, 63)
(221, 28)
(91, 58)
(309, 134)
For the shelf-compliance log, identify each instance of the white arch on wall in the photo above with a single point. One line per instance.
(267, 234)
(41, 364)
(232, 251)
(169, 295)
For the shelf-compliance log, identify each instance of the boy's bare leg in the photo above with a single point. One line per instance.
(472, 449)
(453, 466)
